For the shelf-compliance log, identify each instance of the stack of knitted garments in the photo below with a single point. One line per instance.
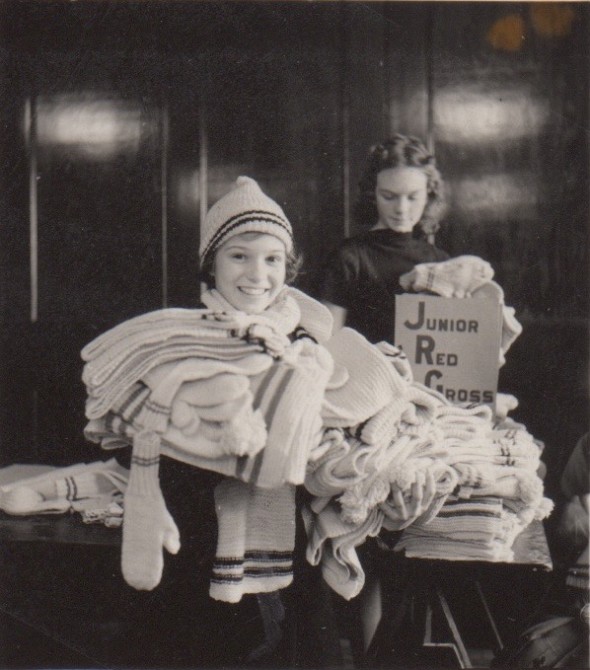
(220, 390)
(499, 494)
(359, 473)
(464, 277)
(481, 528)
(398, 470)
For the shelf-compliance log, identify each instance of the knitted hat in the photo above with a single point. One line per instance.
(245, 209)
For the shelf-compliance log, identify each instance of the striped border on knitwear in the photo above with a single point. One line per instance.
(236, 579)
(255, 564)
(243, 461)
(268, 555)
(251, 216)
(442, 513)
(144, 462)
(462, 506)
(130, 405)
(71, 488)
(156, 407)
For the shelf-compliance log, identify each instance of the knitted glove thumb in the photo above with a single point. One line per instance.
(147, 524)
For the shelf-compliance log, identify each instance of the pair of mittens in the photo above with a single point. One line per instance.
(456, 278)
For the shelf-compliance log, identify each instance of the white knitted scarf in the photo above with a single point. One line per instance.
(283, 315)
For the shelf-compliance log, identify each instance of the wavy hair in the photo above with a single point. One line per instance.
(401, 151)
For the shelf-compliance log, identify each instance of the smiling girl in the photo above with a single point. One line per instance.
(247, 261)
(247, 252)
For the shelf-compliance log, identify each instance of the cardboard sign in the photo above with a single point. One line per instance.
(453, 344)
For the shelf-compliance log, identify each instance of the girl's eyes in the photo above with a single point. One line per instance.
(239, 256)
(393, 196)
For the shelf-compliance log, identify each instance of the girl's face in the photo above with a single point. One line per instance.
(401, 196)
(249, 271)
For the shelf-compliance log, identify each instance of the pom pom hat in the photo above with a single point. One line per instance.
(245, 209)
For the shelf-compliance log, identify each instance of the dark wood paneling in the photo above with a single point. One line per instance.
(510, 103)
(407, 67)
(366, 98)
(510, 124)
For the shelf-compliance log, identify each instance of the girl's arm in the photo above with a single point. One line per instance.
(338, 314)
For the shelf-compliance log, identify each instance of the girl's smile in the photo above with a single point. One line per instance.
(249, 271)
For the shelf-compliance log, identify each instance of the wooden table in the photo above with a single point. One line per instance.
(60, 529)
(432, 596)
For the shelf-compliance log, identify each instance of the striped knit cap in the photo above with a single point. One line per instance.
(245, 209)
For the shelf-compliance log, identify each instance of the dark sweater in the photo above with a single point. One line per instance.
(362, 276)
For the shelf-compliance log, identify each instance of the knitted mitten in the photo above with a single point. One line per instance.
(372, 381)
(147, 524)
(455, 278)
(397, 358)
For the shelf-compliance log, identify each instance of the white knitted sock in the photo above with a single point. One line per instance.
(147, 524)
(256, 538)
(56, 490)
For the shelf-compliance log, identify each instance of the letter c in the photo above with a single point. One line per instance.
(431, 374)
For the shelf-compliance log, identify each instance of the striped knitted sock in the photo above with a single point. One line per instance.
(256, 538)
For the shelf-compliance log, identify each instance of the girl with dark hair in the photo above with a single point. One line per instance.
(401, 199)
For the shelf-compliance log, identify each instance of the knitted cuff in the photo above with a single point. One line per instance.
(145, 462)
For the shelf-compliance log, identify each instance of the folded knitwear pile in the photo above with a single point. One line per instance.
(221, 390)
(485, 488)
(276, 400)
